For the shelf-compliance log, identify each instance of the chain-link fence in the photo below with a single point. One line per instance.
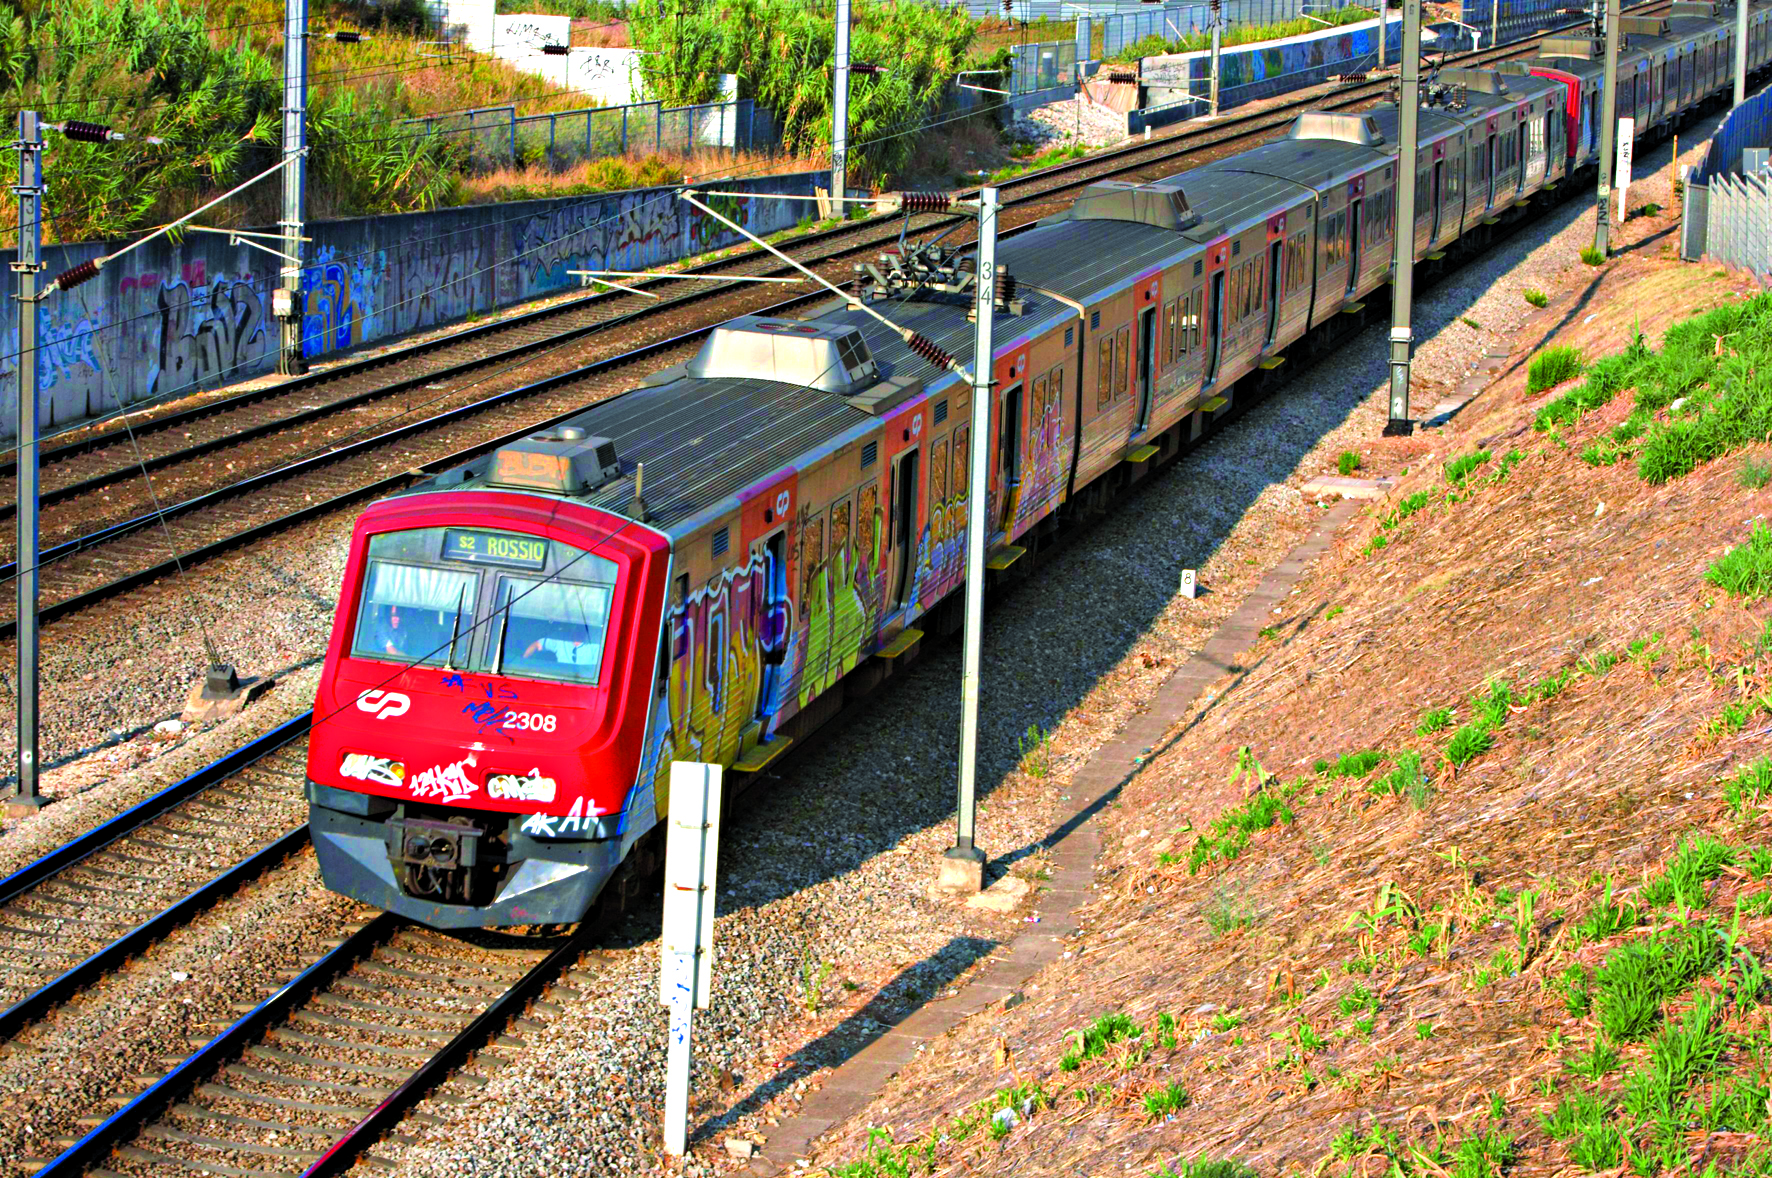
(496, 137)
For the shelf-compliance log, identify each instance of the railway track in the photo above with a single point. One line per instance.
(85, 908)
(262, 466)
(308, 1080)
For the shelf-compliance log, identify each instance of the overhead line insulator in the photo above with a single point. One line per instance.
(927, 349)
(86, 132)
(68, 279)
(927, 202)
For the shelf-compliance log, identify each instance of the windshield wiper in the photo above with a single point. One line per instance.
(455, 629)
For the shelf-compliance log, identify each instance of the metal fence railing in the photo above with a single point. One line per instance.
(1727, 216)
(1517, 18)
(1119, 29)
(1739, 222)
(494, 137)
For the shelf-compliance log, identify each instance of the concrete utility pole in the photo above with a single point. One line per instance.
(840, 110)
(1384, 28)
(962, 867)
(29, 264)
(1217, 40)
(1608, 129)
(1403, 284)
(1740, 52)
(287, 302)
(1494, 23)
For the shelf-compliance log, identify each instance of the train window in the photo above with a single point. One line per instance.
(554, 629)
(1039, 398)
(1169, 332)
(811, 554)
(1197, 318)
(680, 623)
(938, 474)
(1235, 311)
(841, 512)
(961, 473)
(414, 614)
(1123, 364)
(1056, 388)
(1104, 371)
(716, 658)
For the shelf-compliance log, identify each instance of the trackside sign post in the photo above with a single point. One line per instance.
(1627, 131)
(692, 843)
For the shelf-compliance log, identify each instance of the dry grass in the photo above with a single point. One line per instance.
(617, 172)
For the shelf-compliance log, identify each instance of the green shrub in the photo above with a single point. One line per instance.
(1469, 743)
(1349, 462)
(1592, 256)
(1637, 977)
(1458, 468)
(1745, 571)
(1552, 367)
(1536, 297)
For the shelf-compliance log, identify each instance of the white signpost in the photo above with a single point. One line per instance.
(692, 843)
(1627, 129)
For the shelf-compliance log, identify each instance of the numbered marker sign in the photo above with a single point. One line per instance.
(1190, 584)
(1627, 134)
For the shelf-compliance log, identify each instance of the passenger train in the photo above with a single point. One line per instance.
(705, 568)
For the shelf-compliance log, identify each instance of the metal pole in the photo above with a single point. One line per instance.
(962, 867)
(1494, 23)
(1403, 285)
(1217, 39)
(1740, 52)
(1608, 128)
(290, 360)
(840, 110)
(30, 238)
(1384, 28)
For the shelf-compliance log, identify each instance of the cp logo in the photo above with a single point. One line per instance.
(781, 504)
(383, 704)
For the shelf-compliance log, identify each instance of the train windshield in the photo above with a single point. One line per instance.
(493, 602)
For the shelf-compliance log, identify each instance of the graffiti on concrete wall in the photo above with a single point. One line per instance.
(195, 315)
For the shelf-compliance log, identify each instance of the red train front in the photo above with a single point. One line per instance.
(479, 725)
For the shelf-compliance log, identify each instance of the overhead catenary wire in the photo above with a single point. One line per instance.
(911, 128)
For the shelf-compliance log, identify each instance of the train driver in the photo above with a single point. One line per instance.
(583, 650)
(389, 637)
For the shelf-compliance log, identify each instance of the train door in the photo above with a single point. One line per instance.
(1519, 159)
(1274, 252)
(1493, 161)
(903, 530)
(1353, 245)
(762, 599)
(1436, 194)
(773, 619)
(1215, 328)
(1009, 454)
(1147, 347)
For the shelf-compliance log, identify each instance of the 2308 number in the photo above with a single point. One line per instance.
(531, 721)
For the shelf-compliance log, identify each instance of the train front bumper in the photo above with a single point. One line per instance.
(549, 881)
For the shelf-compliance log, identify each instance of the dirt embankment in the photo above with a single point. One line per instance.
(1485, 894)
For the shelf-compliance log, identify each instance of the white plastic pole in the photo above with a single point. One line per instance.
(686, 944)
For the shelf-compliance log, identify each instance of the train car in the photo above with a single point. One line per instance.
(708, 566)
